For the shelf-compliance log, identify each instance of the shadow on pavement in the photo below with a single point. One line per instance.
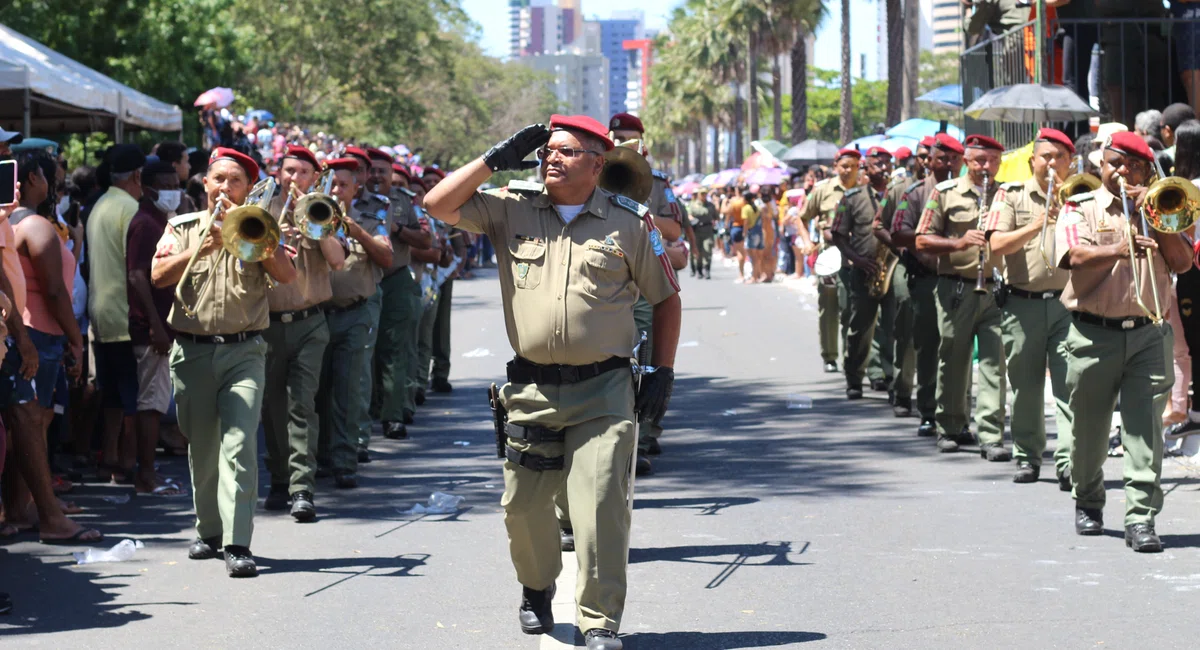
(704, 505)
(776, 554)
(716, 640)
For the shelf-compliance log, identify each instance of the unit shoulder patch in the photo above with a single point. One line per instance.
(946, 186)
(1014, 185)
(852, 191)
(660, 175)
(184, 218)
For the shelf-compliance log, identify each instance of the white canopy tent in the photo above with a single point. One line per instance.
(44, 91)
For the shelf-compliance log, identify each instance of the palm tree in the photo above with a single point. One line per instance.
(786, 25)
(912, 58)
(895, 60)
(846, 125)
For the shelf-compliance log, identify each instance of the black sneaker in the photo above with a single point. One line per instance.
(928, 428)
(303, 508)
(965, 437)
(205, 549)
(854, 392)
(395, 431)
(1026, 473)
(536, 614)
(1182, 430)
(277, 498)
(239, 563)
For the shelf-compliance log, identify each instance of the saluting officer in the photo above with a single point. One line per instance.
(944, 161)
(296, 342)
(1113, 347)
(347, 365)
(575, 260)
(1035, 320)
(704, 216)
(821, 204)
(218, 361)
(951, 228)
(851, 233)
(400, 311)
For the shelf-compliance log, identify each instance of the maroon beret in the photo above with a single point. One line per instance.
(302, 153)
(902, 153)
(927, 142)
(246, 162)
(402, 170)
(581, 123)
(626, 122)
(1057, 137)
(848, 151)
(342, 164)
(1130, 144)
(983, 142)
(378, 154)
(434, 171)
(946, 142)
(879, 151)
(358, 152)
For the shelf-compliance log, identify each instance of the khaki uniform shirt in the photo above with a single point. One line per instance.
(236, 298)
(569, 290)
(855, 219)
(404, 214)
(662, 202)
(821, 204)
(952, 210)
(887, 207)
(311, 286)
(1096, 219)
(360, 276)
(1015, 205)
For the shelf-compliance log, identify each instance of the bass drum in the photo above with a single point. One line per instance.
(828, 263)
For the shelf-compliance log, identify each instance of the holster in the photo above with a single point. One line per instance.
(499, 418)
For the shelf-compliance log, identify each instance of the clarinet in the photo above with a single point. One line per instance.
(980, 280)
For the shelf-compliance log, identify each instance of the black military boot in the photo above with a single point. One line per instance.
(239, 563)
(419, 397)
(536, 615)
(205, 549)
(854, 392)
(643, 466)
(902, 407)
(1090, 522)
(1142, 538)
(303, 509)
(277, 498)
(395, 431)
(995, 452)
(928, 428)
(946, 444)
(1027, 473)
(601, 639)
(1064, 479)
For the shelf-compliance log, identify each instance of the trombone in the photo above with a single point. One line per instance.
(1076, 183)
(248, 232)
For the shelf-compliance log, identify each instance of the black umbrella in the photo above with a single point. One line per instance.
(810, 152)
(1030, 104)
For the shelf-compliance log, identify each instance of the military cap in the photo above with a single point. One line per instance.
(302, 153)
(626, 122)
(342, 164)
(1130, 144)
(947, 142)
(983, 142)
(879, 151)
(358, 152)
(902, 153)
(848, 151)
(378, 154)
(225, 153)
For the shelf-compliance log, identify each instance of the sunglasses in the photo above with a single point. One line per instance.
(566, 152)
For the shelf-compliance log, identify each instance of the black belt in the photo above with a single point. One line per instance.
(294, 316)
(523, 371)
(534, 434)
(219, 338)
(331, 309)
(959, 278)
(1123, 324)
(397, 270)
(532, 461)
(1034, 295)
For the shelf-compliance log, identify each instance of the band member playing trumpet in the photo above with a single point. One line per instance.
(1020, 227)
(218, 360)
(296, 342)
(1118, 344)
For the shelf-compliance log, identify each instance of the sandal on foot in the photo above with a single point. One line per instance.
(80, 537)
(167, 489)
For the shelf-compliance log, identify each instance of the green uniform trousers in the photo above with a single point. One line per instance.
(295, 351)
(703, 250)
(596, 416)
(1035, 337)
(903, 355)
(218, 398)
(441, 333)
(881, 360)
(396, 350)
(926, 324)
(975, 316)
(343, 403)
(859, 313)
(1103, 363)
(643, 320)
(830, 299)
(420, 373)
(365, 422)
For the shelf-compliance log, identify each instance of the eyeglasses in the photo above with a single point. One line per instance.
(565, 152)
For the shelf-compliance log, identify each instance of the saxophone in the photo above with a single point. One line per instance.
(885, 262)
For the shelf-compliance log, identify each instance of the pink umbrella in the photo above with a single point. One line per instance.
(222, 97)
(767, 176)
(686, 189)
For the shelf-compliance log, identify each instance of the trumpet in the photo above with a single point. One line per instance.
(317, 213)
(980, 280)
(248, 232)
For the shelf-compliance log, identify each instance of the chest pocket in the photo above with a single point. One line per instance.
(1108, 237)
(602, 274)
(1023, 217)
(529, 258)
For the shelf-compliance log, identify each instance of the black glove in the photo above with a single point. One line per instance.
(511, 153)
(655, 394)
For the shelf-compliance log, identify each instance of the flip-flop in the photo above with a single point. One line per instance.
(76, 539)
(8, 530)
(162, 490)
(61, 485)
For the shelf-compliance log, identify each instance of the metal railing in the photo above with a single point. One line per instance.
(1001, 60)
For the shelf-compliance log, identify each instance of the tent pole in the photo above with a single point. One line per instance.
(28, 105)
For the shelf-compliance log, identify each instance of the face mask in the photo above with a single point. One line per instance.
(168, 200)
(64, 204)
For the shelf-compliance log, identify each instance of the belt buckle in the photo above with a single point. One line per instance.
(286, 318)
(1047, 295)
(1127, 324)
(218, 339)
(568, 374)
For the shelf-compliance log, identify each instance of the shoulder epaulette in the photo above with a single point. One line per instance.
(852, 191)
(407, 192)
(660, 175)
(629, 204)
(913, 187)
(525, 186)
(1014, 185)
(384, 199)
(946, 186)
(179, 220)
(821, 183)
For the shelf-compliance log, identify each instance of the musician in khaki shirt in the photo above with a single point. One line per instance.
(572, 260)
(218, 362)
(1114, 348)
(1035, 321)
(296, 342)
(346, 373)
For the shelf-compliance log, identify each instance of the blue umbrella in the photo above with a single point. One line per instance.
(944, 97)
(865, 142)
(260, 115)
(920, 127)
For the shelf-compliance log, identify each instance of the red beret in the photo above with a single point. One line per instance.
(246, 162)
(378, 154)
(983, 142)
(402, 170)
(1130, 144)
(879, 151)
(581, 123)
(1057, 137)
(342, 164)
(927, 142)
(626, 122)
(946, 142)
(302, 153)
(358, 152)
(435, 171)
(848, 151)
(902, 153)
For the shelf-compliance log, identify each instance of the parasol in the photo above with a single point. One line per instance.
(1030, 104)
(810, 152)
(222, 97)
(944, 97)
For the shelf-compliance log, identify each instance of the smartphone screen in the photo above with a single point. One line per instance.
(8, 181)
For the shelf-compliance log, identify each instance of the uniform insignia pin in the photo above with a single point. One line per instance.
(522, 270)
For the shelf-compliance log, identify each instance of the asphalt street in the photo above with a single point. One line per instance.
(767, 525)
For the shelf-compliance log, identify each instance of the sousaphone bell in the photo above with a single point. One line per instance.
(627, 173)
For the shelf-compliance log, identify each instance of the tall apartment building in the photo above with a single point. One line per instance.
(613, 34)
(580, 82)
(945, 21)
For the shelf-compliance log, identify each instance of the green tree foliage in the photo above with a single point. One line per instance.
(824, 106)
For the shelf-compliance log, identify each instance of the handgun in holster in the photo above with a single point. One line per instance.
(499, 418)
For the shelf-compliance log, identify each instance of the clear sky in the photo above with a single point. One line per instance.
(492, 16)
